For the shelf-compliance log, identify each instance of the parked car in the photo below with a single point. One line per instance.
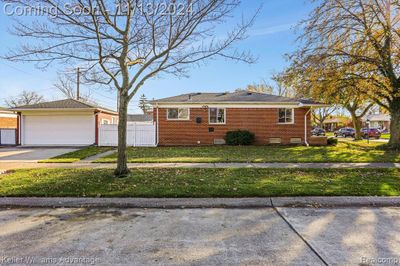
(383, 130)
(345, 132)
(371, 133)
(318, 132)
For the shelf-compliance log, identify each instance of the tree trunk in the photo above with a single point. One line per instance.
(395, 123)
(122, 167)
(356, 124)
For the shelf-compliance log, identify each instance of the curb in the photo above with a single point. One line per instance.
(178, 203)
(335, 202)
(159, 203)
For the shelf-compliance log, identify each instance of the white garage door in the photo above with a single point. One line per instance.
(58, 130)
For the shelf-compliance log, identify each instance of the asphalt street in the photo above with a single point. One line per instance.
(216, 236)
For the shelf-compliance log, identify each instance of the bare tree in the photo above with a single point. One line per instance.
(126, 45)
(321, 114)
(363, 35)
(258, 87)
(24, 98)
(68, 88)
(281, 87)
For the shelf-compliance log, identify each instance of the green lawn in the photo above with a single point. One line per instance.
(242, 182)
(329, 134)
(345, 151)
(77, 155)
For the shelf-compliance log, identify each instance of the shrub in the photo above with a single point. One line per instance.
(239, 137)
(332, 141)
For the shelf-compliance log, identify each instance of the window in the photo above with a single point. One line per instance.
(105, 121)
(285, 116)
(178, 114)
(216, 116)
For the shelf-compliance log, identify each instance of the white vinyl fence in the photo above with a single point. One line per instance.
(139, 134)
(8, 136)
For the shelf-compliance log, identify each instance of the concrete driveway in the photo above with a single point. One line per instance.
(354, 236)
(20, 154)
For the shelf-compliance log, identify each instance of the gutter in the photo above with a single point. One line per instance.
(63, 110)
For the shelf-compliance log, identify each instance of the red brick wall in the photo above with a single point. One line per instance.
(318, 141)
(8, 122)
(261, 121)
(107, 117)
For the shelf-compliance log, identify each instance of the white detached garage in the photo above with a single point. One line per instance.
(61, 123)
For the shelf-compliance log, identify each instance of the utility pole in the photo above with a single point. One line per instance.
(77, 83)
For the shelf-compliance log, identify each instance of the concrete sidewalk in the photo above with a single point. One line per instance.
(177, 203)
(9, 165)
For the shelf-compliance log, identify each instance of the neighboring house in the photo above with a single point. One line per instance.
(140, 118)
(381, 121)
(61, 123)
(7, 119)
(204, 118)
(335, 122)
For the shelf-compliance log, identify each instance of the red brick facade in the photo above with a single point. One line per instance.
(263, 122)
(106, 118)
(8, 122)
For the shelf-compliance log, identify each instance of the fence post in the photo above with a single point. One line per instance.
(99, 137)
(134, 134)
(0, 136)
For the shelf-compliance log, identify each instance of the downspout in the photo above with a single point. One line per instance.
(305, 127)
(157, 127)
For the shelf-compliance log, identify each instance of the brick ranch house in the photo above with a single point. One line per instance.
(204, 118)
(61, 123)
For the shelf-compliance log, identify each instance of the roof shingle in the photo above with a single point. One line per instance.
(377, 117)
(225, 97)
(140, 118)
(61, 104)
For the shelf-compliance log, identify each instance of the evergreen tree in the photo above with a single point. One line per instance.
(144, 104)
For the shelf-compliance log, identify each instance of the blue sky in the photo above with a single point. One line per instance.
(271, 37)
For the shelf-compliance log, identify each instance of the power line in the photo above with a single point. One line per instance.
(53, 89)
(26, 72)
(108, 97)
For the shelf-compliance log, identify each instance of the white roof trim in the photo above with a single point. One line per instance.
(8, 115)
(54, 109)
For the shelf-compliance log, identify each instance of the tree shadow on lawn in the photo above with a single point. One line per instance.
(344, 152)
(228, 182)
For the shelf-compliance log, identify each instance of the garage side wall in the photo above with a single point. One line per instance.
(109, 119)
(8, 122)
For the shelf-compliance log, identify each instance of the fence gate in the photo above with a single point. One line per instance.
(8, 136)
(138, 135)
